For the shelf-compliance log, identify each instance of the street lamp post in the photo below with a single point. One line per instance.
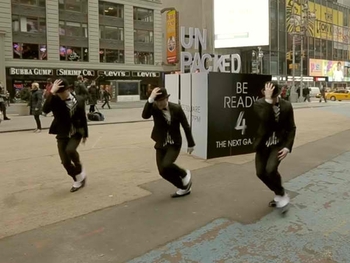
(302, 23)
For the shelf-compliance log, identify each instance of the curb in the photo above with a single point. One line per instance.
(89, 124)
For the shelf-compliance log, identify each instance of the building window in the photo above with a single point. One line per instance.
(73, 5)
(144, 58)
(111, 9)
(29, 51)
(143, 14)
(41, 3)
(115, 33)
(28, 24)
(73, 29)
(143, 36)
(111, 56)
(74, 53)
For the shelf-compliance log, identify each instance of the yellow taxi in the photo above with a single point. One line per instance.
(338, 95)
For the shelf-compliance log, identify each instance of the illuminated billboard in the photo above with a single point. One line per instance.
(241, 23)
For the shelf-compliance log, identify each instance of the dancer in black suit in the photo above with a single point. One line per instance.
(274, 140)
(70, 126)
(167, 118)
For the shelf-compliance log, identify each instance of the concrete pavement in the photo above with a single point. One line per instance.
(122, 112)
(125, 210)
(316, 228)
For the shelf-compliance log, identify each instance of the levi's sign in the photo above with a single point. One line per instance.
(115, 73)
(31, 71)
(144, 74)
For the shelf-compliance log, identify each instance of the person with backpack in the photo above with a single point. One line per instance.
(93, 96)
(80, 88)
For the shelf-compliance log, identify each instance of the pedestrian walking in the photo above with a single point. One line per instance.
(306, 94)
(274, 141)
(70, 126)
(36, 104)
(323, 93)
(167, 118)
(3, 97)
(106, 96)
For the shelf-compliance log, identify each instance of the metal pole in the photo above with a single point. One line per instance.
(301, 66)
(293, 69)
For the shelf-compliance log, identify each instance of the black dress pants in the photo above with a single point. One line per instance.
(266, 163)
(104, 104)
(166, 157)
(67, 149)
(37, 120)
(92, 108)
(3, 109)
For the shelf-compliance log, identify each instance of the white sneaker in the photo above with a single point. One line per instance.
(282, 200)
(80, 177)
(187, 179)
(183, 192)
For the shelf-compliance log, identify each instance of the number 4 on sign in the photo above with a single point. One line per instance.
(240, 124)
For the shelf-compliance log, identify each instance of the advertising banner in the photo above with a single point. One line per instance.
(172, 86)
(219, 108)
(316, 67)
(172, 36)
(199, 112)
(232, 121)
(334, 70)
(321, 26)
(233, 25)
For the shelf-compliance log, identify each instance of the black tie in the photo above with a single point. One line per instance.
(68, 99)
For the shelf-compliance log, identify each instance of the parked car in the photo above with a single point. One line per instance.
(338, 95)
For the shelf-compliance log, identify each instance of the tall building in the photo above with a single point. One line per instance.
(320, 29)
(116, 42)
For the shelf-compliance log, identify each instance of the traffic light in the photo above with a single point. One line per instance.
(289, 55)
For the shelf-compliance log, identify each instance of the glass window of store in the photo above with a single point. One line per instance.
(110, 9)
(111, 22)
(109, 32)
(144, 58)
(41, 3)
(111, 56)
(73, 32)
(79, 6)
(143, 14)
(143, 36)
(29, 32)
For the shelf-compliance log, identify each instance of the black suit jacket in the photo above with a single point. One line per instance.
(284, 128)
(161, 127)
(62, 121)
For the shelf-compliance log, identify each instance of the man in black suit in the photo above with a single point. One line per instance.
(274, 140)
(167, 118)
(70, 126)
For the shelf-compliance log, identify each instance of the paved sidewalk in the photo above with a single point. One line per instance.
(123, 112)
(225, 219)
(316, 229)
